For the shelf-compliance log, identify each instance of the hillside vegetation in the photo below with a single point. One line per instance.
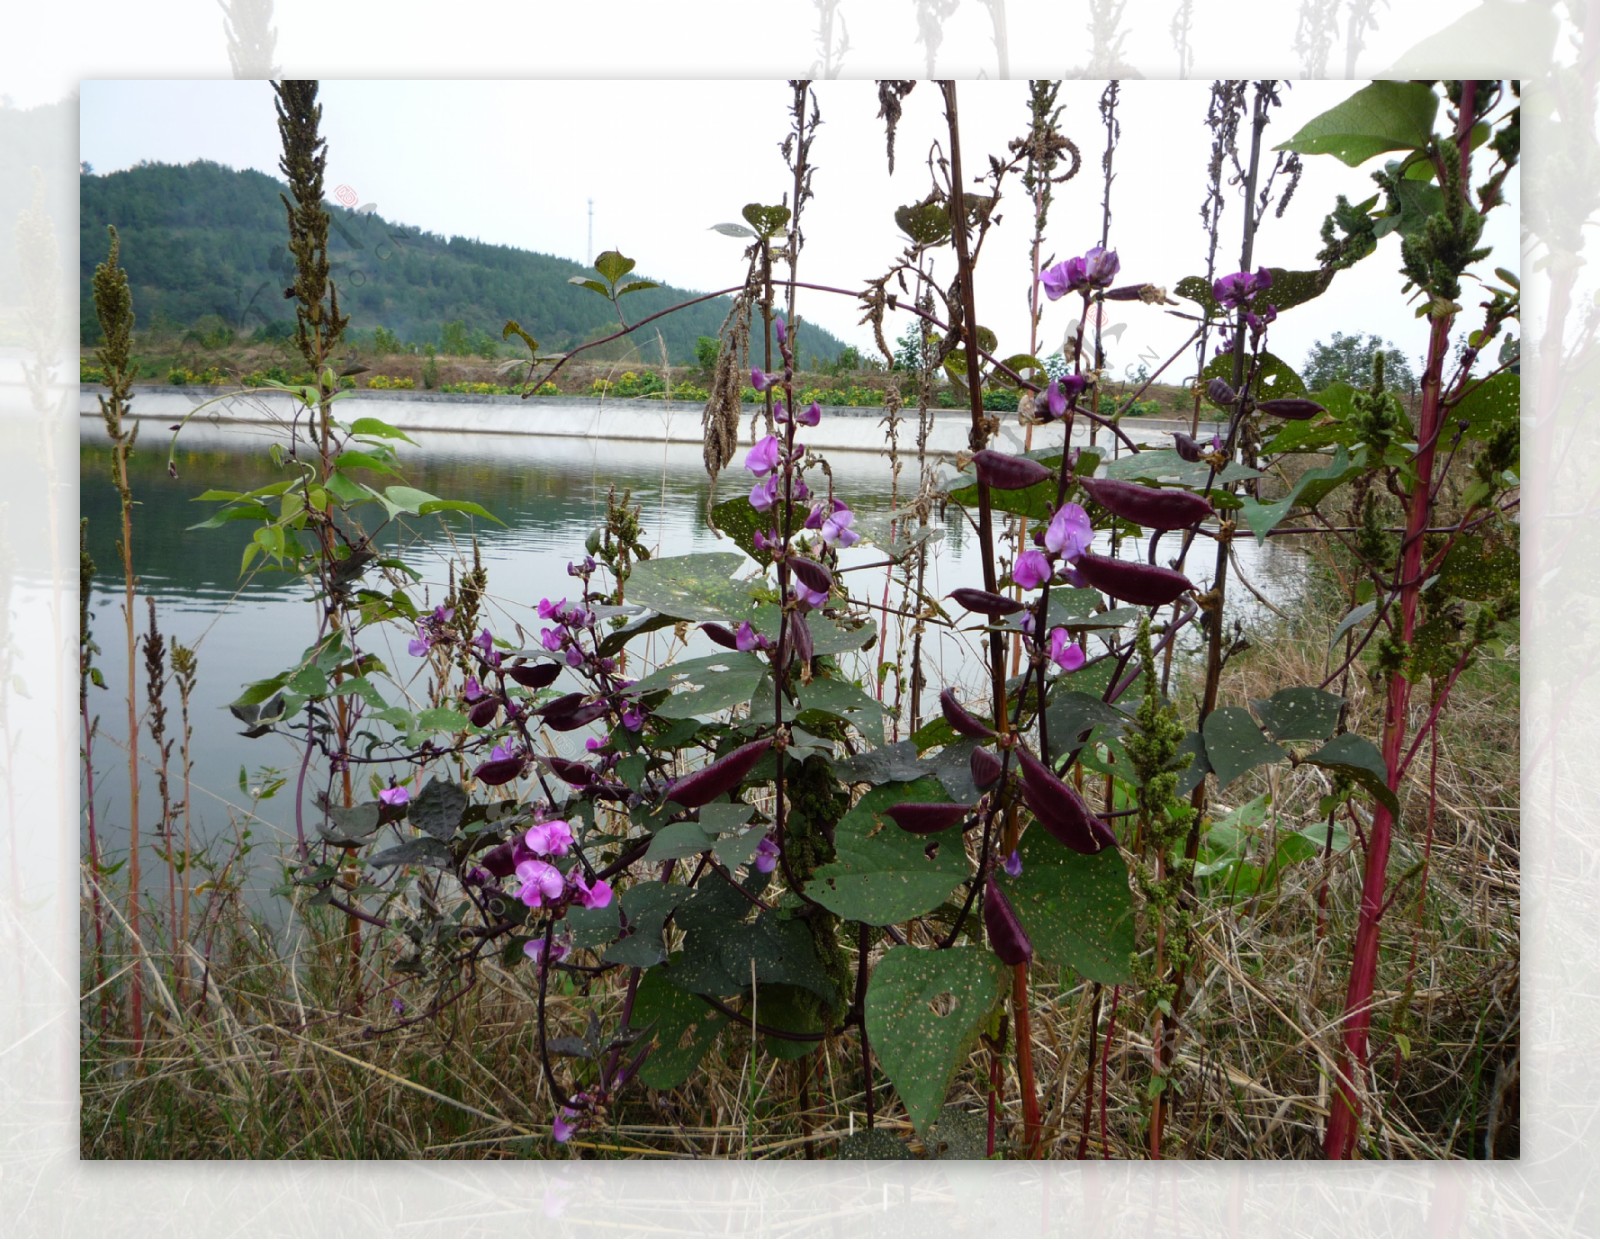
(203, 247)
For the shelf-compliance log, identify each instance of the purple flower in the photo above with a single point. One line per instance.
(550, 639)
(800, 492)
(763, 457)
(395, 797)
(748, 639)
(810, 415)
(1012, 865)
(766, 855)
(534, 949)
(761, 382)
(562, 1127)
(591, 895)
(836, 531)
(1064, 652)
(418, 645)
(549, 839)
(1069, 532)
(1239, 288)
(765, 493)
(443, 614)
(398, 1005)
(633, 718)
(503, 751)
(549, 610)
(1032, 569)
(1095, 269)
(815, 518)
(769, 540)
(540, 881)
(781, 330)
(813, 598)
(1258, 322)
(574, 657)
(593, 743)
(1055, 400)
(780, 415)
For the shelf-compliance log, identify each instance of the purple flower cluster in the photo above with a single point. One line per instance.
(1068, 536)
(834, 522)
(1095, 269)
(570, 620)
(540, 883)
(1241, 287)
(431, 629)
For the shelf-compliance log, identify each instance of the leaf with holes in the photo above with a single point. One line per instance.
(703, 686)
(1299, 714)
(1076, 908)
(1274, 377)
(1384, 116)
(767, 221)
(924, 1010)
(681, 1026)
(837, 699)
(873, 1145)
(882, 874)
(1358, 758)
(1163, 465)
(691, 587)
(1234, 744)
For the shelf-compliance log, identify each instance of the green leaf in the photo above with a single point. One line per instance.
(1274, 377)
(1360, 759)
(924, 1011)
(429, 507)
(897, 763)
(1384, 116)
(646, 906)
(1071, 714)
(1035, 502)
(838, 699)
(1311, 488)
(873, 1145)
(347, 490)
(442, 719)
(767, 221)
(1300, 713)
(594, 286)
(1234, 744)
(1352, 618)
(613, 265)
(1077, 909)
(1165, 466)
(704, 686)
(352, 458)
(882, 874)
(377, 428)
(234, 512)
(437, 809)
(420, 851)
(1294, 288)
(677, 839)
(636, 286)
(1481, 567)
(926, 223)
(691, 587)
(350, 828)
(683, 1029)
(1316, 434)
(1488, 407)
(738, 519)
(732, 230)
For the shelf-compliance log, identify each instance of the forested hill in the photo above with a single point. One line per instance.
(202, 240)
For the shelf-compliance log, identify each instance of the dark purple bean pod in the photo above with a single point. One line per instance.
(926, 817)
(578, 774)
(1220, 392)
(1144, 585)
(986, 768)
(1188, 447)
(1155, 508)
(563, 705)
(535, 675)
(804, 648)
(960, 718)
(501, 860)
(984, 603)
(1059, 808)
(811, 573)
(483, 713)
(577, 719)
(499, 771)
(715, 778)
(720, 634)
(1008, 473)
(1007, 939)
(1295, 408)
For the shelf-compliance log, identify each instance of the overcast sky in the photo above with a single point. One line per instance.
(516, 162)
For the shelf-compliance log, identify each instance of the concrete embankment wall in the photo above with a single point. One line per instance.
(650, 421)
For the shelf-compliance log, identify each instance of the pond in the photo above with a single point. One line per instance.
(550, 492)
